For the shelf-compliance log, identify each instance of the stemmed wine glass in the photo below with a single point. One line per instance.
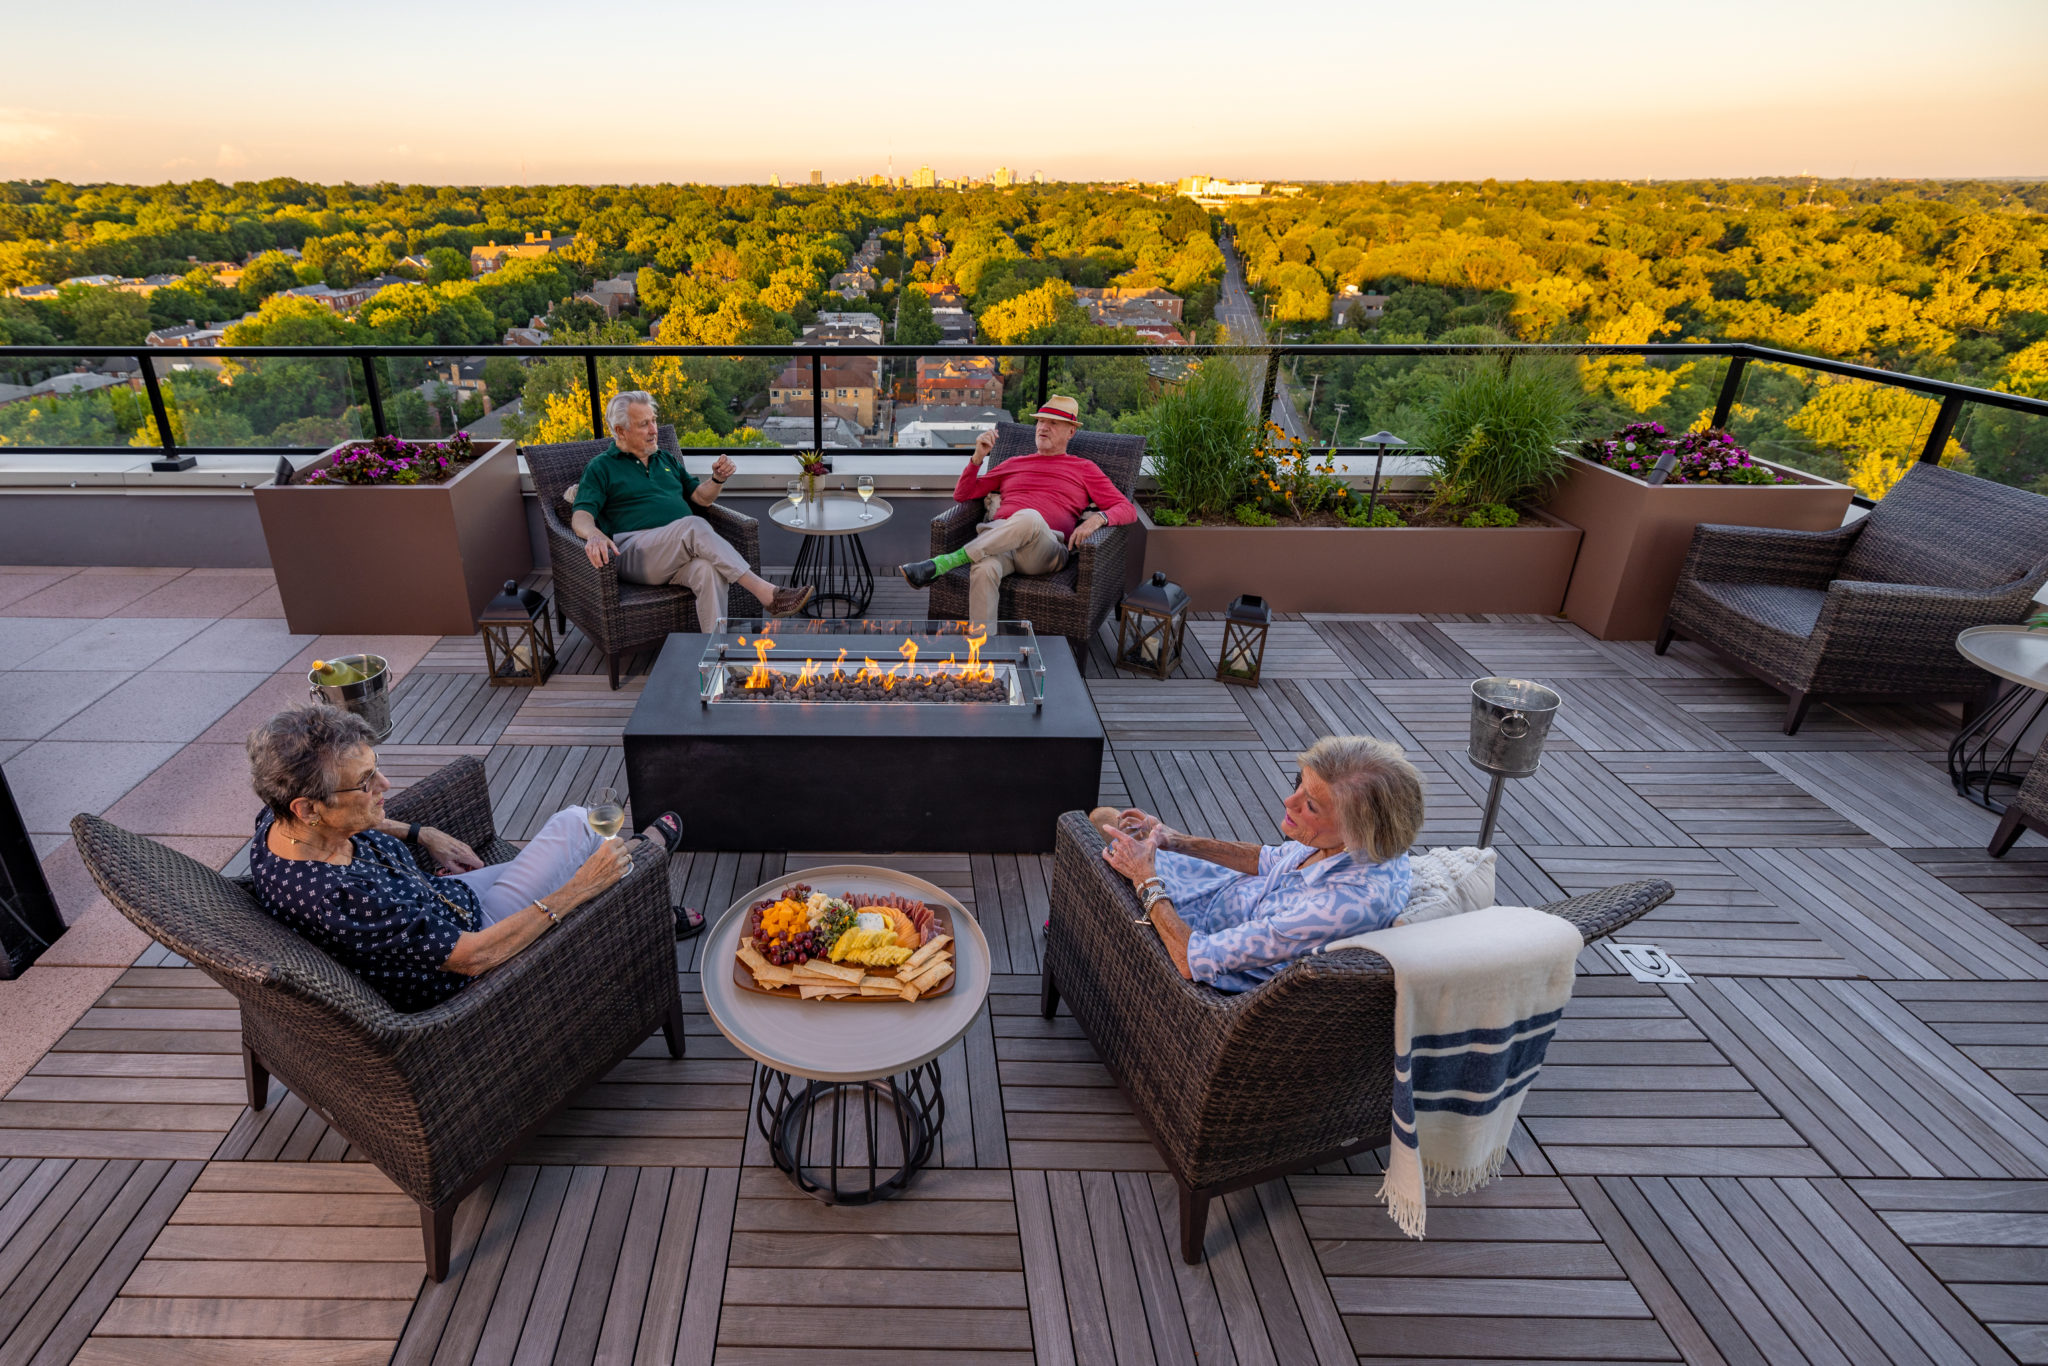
(866, 486)
(607, 812)
(796, 501)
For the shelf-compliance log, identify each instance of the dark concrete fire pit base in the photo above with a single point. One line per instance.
(976, 778)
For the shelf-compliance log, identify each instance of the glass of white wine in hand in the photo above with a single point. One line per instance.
(607, 812)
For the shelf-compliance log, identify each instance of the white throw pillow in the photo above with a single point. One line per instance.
(1448, 882)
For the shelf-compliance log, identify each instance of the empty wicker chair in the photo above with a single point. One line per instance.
(437, 1099)
(2028, 809)
(1872, 609)
(622, 617)
(1075, 601)
(1238, 1089)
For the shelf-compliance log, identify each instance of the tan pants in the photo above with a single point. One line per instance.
(686, 551)
(1019, 544)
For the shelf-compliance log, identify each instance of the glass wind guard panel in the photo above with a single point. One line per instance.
(871, 661)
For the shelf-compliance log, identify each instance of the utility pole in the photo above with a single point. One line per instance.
(1342, 408)
(1315, 384)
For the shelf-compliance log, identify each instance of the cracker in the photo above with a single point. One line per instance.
(849, 973)
(925, 954)
(933, 975)
(812, 993)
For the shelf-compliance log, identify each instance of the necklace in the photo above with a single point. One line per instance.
(327, 857)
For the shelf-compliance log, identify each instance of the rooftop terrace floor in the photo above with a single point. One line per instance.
(1832, 1147)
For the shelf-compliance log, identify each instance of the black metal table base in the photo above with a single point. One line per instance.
(863, 1155)
(837, 568)
(1971, 765)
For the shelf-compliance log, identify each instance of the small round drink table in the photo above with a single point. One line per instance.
(848, 1092)
(2020, 657)
(832, 560)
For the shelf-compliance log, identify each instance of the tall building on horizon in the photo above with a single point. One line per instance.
(817, 177)
(775, 180)
(1038, 177)
(925, 180)
(1003, 178)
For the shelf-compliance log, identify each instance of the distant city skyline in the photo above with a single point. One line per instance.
(1298, 90)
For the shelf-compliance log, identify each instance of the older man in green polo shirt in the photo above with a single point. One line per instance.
(636, 501)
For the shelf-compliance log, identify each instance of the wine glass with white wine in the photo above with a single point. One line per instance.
(607, 812)
(866, 487)
(796, 501)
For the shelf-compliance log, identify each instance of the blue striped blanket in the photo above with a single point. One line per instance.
(1478, 997)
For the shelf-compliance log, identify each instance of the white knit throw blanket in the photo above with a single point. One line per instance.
(1477, 998)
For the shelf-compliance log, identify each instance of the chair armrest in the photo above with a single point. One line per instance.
(1099, 562)
(737, 529)
(455, 797)
(954, 527)
(1741, 554)
(1904, 629)
(1607, 910)
(572, 569)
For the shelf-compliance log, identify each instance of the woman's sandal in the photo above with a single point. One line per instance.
(689, 923)
(668, 827)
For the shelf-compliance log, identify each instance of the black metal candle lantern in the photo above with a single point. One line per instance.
(519, 640)
(1151, 623)
(1245, 624)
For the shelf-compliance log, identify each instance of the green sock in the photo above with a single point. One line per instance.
(950, 561)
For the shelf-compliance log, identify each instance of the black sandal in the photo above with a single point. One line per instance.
(668, 826)
(689, 923)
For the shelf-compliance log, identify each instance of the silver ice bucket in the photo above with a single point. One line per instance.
(369, 699)
(1510, 720)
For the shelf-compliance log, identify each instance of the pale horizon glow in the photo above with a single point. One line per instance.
(641, 92)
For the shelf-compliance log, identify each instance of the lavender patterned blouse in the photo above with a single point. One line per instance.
(1248, 926)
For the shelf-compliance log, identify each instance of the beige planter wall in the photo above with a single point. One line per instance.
(1637, 535)
(1376, 569)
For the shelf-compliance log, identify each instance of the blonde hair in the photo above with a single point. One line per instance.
(1378, 792)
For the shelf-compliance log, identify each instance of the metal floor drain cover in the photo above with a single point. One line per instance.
(1648, 963)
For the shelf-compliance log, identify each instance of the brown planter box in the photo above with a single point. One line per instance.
(397, 559)
(1368, 569)
(1637, 535)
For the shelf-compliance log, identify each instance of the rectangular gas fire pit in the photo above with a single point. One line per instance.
(868, 735)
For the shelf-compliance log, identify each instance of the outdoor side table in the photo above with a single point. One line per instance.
(832, 560)
(848, 1093)
(1979, 760)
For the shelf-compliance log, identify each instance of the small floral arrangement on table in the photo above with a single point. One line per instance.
(814, 464)
(1706, 457)
(394, 460)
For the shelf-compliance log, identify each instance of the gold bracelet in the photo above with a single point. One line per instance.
(547, 910)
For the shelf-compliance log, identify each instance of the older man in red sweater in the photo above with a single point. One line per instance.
(1051, 502)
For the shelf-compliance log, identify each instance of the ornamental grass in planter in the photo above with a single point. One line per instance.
(396, 537)
(1637, 532)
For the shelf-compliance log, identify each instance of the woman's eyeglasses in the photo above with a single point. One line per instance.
(363, 786)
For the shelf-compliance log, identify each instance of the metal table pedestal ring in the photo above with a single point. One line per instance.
(845, 1153)
(1980, 757)
(831, 559)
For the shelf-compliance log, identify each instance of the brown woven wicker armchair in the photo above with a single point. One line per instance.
(1076, 600)
(2028, 809)
(438, 1099)
(1236, 1089)
(623, 617)
(1871, 609)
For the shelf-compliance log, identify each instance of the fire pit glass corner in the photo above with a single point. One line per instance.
(869, 660)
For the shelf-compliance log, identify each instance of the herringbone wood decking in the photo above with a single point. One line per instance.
(1833, 1146)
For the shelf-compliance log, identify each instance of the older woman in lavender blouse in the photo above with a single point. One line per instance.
(1233, 915)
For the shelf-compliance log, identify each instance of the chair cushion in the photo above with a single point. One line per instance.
(1775, 607)
(1948, 530)
(1448, 881)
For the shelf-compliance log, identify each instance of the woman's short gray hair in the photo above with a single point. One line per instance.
(615, 412)
(1379, 793)
(295, 753)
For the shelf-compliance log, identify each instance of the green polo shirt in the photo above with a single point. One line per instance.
(621, 494)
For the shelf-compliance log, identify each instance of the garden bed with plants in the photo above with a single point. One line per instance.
(1241, 507)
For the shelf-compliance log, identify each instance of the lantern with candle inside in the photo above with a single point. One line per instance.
(519, 639)
(1245, 624)
(1151, 622)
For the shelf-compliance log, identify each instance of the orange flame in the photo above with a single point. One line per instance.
(758, 678)
(837, 662)
(809, 674)
(976, 671)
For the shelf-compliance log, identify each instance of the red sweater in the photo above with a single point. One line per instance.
(1058, 488)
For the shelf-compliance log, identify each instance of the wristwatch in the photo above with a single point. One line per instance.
(412, 833)
(1150, 891)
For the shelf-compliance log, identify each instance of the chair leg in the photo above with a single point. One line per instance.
(1664, 634)
(1795, 711)
(2008, 833)
(437, 1228)
(1194, 1223)
(1048, 994)
(613, 660)
(672, 1030)
(258, 1077)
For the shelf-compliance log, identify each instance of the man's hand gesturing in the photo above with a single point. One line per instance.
(983, 444)
(600, 549)
(722, 469)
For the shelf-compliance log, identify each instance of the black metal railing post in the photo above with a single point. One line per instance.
(373, 394)
(818, 401)
(170, 462)
(1272, 384)
(1943, 428)
(596, 399)
(1731, 389)
(1044, 377)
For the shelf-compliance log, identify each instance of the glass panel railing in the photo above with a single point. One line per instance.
(1863, 432)
(311, 402)
(60, 401)
(2002, 445)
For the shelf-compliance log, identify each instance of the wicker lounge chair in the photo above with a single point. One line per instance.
(1079, 598)
(623, 617)
(1871, 609)
(2028, 809)
(1238, 1089)
(437, 1099)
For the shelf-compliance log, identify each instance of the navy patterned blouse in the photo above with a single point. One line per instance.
(379, 916)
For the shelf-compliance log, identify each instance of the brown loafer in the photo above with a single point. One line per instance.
(788, 601)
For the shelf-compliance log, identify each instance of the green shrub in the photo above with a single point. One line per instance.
(1493, 429)
(1493, 514)
(1247, 515)
(1381, 515)
(1203, 439)
(1169, 517)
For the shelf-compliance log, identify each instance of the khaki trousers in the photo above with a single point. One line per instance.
(1019, 544)
(686, 551)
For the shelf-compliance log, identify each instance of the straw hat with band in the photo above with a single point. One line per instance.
(1060, 408)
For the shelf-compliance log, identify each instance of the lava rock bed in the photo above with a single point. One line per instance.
(784, 688)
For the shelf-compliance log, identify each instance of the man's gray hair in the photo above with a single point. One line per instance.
(296, 753)
(1378, 792)
(615, 411)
